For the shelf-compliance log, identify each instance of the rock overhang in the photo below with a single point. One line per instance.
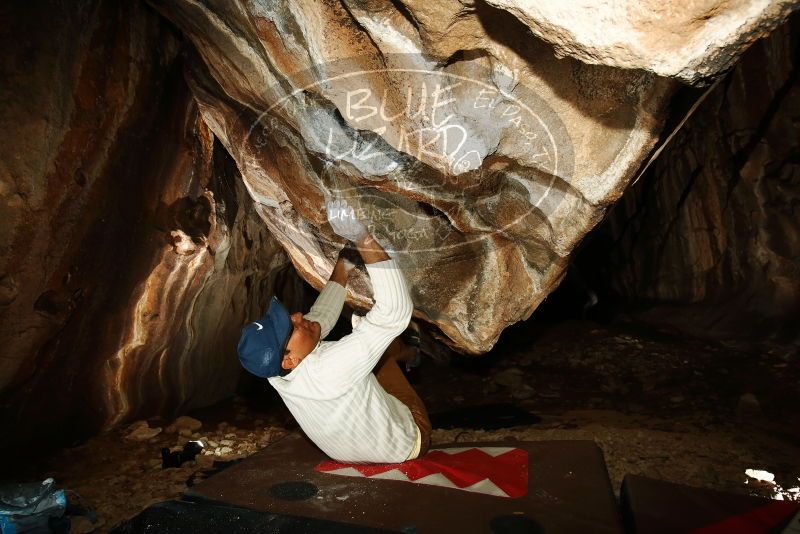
(483, 146)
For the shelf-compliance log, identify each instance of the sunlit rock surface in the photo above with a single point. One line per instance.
(480, 156)
(691, 41)
(130, 254)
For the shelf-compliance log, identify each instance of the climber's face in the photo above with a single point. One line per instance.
(303, 339)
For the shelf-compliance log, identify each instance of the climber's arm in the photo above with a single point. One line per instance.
(371, 251)
(329, 303)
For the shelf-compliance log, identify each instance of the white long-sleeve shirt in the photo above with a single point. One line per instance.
(333, 394)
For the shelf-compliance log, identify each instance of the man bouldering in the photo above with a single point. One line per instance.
(349, 396)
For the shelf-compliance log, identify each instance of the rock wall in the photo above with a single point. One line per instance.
(714, 222)
(130, 254)
(482, 140)
(153, 177)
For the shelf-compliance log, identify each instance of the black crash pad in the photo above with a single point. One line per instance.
(652, 506)
(180, 517)
(568, 491)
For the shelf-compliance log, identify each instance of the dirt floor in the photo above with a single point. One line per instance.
(668, 407)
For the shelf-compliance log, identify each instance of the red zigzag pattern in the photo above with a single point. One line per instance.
(508, 471)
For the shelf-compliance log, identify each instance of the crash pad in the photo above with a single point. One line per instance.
(567, 491)
(498, 471)
(655, 506)
(182, 517)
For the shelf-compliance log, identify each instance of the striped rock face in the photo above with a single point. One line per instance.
(126, 269)
(482, 141)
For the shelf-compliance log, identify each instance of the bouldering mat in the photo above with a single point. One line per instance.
(654, 506)
(498, 471)
(180, 517)
(568, 491)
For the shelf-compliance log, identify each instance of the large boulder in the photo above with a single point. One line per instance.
(483, 140)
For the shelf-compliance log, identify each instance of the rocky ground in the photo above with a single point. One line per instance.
(119, 473)
(667, 407)
(658, 404)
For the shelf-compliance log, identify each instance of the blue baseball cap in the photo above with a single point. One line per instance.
(263, 342)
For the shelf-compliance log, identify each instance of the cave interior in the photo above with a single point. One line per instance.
(631, 278)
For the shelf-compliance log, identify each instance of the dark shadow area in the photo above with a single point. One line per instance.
(484, 416)
(182, 517)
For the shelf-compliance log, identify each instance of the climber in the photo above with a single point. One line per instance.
(349, 396)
